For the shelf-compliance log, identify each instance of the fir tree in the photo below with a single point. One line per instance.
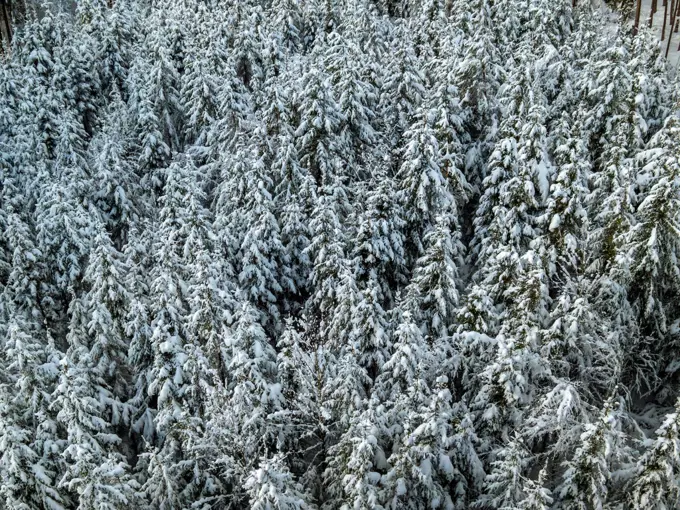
(272, 487)
(344, 254)
(29, 465)
(433, 293)
(655, 484)
(421, 468)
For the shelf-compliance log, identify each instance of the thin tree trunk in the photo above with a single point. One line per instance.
(652, 11)
(665, 19)
(674, 12)
(668, 46)
(6, 18)
(670, 15)
(638, 8)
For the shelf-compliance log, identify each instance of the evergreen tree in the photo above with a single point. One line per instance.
(504, 486)
(655, 485)
(479, 72)
(261, 250)
(423, 190)
(91, 453)
(272, 487)
(433, 293)
(30, 466)
(252, 388)
(421, 468)
(327, 247)
(353, 474)
(587, 479)
(113, 171)
(650, 245)
(379, 250)
(332, 254)
(566, 215)
(357, 101)
(319, 145)
(403, 87)
(105, 305)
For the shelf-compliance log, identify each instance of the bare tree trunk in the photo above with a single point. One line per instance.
(652, 11)
(670, 15)
(665, 19)
(674, 12)
(638, 8)
(6, 13)
(677, 22)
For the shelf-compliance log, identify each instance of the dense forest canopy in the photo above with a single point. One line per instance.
(338, 254)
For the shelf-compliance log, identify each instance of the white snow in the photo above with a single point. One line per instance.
(674, 50)
(673, 54)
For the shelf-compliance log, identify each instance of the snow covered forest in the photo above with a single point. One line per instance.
(338, 254)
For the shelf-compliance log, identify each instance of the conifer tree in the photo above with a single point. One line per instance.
(588, 477)
(421, 467)
(252, 388)
(336, 254)
(113, 171)
(403, 87)
(433, 293)
(261, 250)
(479, 72)
(327, 247)
(566, 215)
(504, 485)
(105, 305)
(317, 138)
(423, 190)
(379, 249)
(654, 485)
(272, 486)
(651, 242)
(91, 452)
(29, 466)
(354, 471)
(357, 101)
